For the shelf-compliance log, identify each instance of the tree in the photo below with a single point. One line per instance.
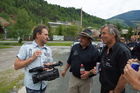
(59, 30)
(71, 31)
(130, 32)
(67, 30)
(23, 24)
(119, 26)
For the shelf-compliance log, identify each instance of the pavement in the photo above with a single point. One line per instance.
(22, 90)
(60, 85)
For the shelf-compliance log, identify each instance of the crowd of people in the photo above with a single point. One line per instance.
(115, 59)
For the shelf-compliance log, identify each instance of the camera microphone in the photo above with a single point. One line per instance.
(59, 63)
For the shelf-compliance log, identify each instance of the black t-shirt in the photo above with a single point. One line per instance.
(132, 44)
(88, 57)
(136, 51)
(112, 64)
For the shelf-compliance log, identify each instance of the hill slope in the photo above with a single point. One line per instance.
(131, 18)
(41, 11)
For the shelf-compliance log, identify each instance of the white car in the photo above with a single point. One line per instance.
(77, 41)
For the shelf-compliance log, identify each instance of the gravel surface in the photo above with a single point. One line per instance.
(60, 85)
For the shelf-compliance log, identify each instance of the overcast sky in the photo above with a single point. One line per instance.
(100, 8)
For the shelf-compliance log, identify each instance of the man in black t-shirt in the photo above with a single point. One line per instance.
(83, 53)
(132, 44)
(113, 59)
(136, 51)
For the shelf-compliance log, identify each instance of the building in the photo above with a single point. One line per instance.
(3, 23)
(55, 24)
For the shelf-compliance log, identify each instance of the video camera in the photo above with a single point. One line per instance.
(46, 75)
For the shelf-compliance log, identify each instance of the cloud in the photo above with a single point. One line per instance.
(100, 8)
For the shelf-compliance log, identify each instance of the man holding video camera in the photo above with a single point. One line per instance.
(32, 55)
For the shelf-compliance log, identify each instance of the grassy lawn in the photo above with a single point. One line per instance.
(1, 47)
(10, 79)
(10, 44)
(60, 44)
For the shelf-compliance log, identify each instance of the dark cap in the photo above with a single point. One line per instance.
(87, 33)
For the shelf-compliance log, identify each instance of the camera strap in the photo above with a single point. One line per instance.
(41, 86)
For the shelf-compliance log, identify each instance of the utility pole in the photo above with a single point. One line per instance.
(81, 17)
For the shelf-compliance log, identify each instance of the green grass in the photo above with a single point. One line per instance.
(60, 44)
(1, 47)
(10, 79)
(8, 44)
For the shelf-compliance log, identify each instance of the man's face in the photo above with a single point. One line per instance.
(122, 40)
(84, 41)
(133, 39)
(43, 37)
(106, 36)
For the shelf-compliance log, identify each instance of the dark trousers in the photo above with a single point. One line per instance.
(35, 91)
(104, 90)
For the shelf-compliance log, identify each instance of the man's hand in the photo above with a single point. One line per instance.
(132, 60)
(94, 70)
(85, 75)
(36, 54)
(63, 73)
(130, 74)
(48, 64)
(111, 91)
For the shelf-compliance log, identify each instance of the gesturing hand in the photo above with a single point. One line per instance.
(36, 54)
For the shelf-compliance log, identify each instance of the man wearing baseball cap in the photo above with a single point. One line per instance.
(86, 54)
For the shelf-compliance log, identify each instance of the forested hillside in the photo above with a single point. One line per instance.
(24, 14)
(131, 18)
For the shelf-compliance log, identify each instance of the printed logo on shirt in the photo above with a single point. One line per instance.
(47, 54)
(30, 52)
(108, 64)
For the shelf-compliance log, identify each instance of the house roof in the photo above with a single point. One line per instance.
(4, 22)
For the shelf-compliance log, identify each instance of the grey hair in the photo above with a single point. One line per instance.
(112, 30)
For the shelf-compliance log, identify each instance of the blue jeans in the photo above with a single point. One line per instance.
(35, 91)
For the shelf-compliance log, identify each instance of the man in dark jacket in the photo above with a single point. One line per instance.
(113, 59)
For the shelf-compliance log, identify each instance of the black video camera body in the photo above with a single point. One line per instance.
(46, 75)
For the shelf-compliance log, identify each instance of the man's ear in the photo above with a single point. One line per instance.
(37, 35)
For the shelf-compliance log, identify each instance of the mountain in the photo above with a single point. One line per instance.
(131, 18)
(39, 11)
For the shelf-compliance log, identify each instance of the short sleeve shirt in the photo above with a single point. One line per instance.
(88, 57)
(27, 51)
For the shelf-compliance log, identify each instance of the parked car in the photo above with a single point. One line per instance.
(77, 41)
(98, 45)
